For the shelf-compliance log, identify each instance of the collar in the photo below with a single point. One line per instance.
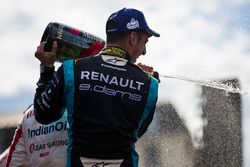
(116, 51)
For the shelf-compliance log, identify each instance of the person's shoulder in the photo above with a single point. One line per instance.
(29, 113)
(90, 58)
(88, 61)
(139, 71)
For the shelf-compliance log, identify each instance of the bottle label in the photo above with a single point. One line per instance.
(72, 43)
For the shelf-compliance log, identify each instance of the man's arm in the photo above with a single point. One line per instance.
(149, 108)
(145, 124)
(49, 93)
(48, 101)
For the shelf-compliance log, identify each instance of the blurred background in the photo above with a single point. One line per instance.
(200, 40)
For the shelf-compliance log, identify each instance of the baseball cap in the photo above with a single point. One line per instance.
(128, 19)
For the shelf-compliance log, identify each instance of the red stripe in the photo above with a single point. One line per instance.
(44, 154)
(75, 31)
(17, 136)
(30, 113)
(93, 49)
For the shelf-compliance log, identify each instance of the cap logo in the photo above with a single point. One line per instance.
(133, 24)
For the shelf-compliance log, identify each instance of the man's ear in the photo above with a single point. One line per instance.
(133, 38)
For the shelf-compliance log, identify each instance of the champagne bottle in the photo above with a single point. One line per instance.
(72, 43)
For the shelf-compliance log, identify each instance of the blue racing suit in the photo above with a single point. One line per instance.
(110, 103)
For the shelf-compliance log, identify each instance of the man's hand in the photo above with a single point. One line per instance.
(46, 58)
(149, 70)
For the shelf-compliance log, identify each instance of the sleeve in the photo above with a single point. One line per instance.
(49, 95)
(149, 110)
(3, 157)
(17, 153)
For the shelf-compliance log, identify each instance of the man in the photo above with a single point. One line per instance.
(35, 144)
(110, 101)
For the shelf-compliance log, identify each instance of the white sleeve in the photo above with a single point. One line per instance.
(3, 158)
(17, 156)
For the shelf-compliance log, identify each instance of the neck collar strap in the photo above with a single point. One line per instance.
(115, 51)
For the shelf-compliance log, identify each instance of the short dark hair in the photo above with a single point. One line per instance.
(140, 33)
(114, 36)
(117, 36)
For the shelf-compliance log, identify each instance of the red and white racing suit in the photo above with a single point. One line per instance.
(36, 144)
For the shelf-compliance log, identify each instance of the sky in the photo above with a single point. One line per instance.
(202, 40)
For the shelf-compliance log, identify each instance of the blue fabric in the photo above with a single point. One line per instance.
(135, 156)
(68, 69)
(152, 97)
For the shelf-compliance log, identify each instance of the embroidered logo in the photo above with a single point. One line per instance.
(114, 60)
(133, 24)
(100, 164)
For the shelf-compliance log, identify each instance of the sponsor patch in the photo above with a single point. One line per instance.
(114, 60)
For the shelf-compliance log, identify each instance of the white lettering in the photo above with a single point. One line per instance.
(131, 85)
(60, 32)
(94, 75)
(85, 75)
(114, 80)
(84, 87)
(139, 85)
(104, 78)
(99, 89)
(124, 84)
(110, 92)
